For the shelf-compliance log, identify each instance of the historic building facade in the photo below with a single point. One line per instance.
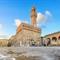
(3, 42)
(27, 34)
(54, 38)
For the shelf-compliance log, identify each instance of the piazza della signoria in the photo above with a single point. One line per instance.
(29, 29)
(30, 35)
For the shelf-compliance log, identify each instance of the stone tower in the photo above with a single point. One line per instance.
(33, 17)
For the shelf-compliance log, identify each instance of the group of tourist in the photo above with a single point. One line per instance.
(48, 42)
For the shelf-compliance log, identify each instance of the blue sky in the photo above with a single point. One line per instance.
(10, 10)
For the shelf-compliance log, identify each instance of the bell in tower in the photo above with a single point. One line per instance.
(33, 17)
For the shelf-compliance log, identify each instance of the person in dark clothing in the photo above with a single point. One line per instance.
(49, 42)
(44, 43)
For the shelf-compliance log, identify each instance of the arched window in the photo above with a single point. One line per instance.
(59, 38)
(54, 38)
(48, 38)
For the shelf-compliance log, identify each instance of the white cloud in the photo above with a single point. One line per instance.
(40, 17)
(43, 19)
(17, 22)
(48, 13)
(48, 16)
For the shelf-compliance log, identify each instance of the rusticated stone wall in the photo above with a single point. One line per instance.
(26, 38)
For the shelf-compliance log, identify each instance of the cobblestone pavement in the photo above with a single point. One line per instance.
(30, 53)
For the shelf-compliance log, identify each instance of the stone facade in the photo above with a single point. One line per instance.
(26, 37)
(54, 38)
(3, 42)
